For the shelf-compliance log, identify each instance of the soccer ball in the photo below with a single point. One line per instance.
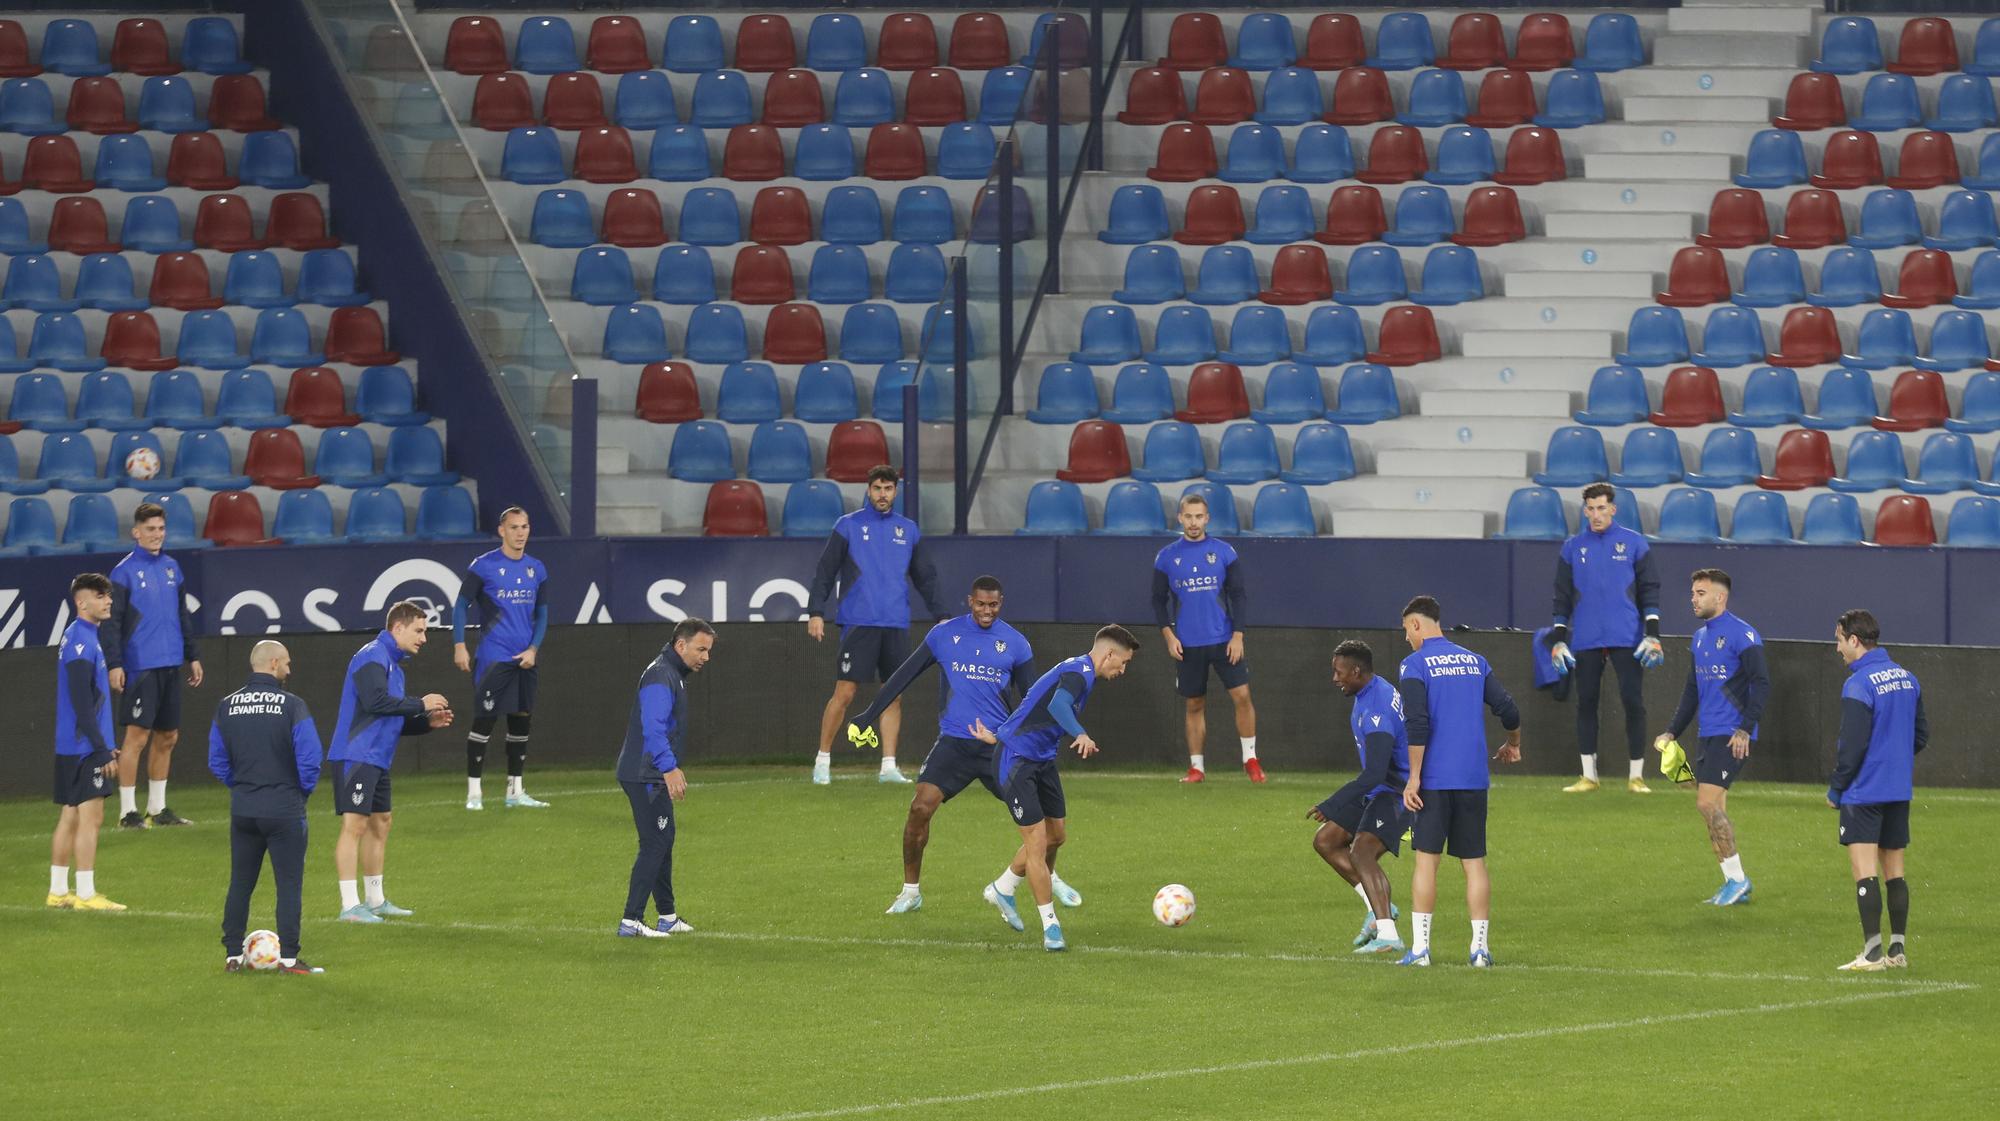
(261, 950)
(144, 463)
(1173, 905)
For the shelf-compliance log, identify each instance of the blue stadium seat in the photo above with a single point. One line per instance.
(1450, 276)
(152, 224)
(1771, 397)
(636, 335)
(1985, 175)
(377, 514)
(1611, 43)
(1848, 46)
(326, 278)
(14, 236)
(1256, 155)
(1248, 454)
(346, 458)
(1689, 516)
(1283, 510)
(1979, 407)
(1258, 335)
(35, 283)
(839, 274)
(304, 517)
(1657, 336)
(693, 45)
(1728, 459)
(269, 159)
(1464, 155)
(1284, 215)
(1264, 41)
(922, 214)
(1617, 396)
(1652, 457)
(1761, 517)
(885, 397)
(602, 277)
(1832, 519)
(1172, 452)
(1575, 457)
(871, 333)
(722, 100)
(1055, 508)
(824, 153)
(247, 399)
(1292, 394)
(1367, 394)
(1227, 274)
(684, 274)
(105, 400)
(166, 104)
(1222, 520)
(966, 150)
(916, 273)
(825, 394)
(69, 462)
(1572, 99)
(1775, 158)
(1322, 154)
(202, 459)
(31, 529)
(780, 452)
(1110, 335)
(546, 45)
(935, 334)
(1321, 453)
(1874, 462)
(679, 154)
(1292, 97)
(987, 212)
(1001, 92)
(1436, 98)
(644, 101)
(1846, 398)
(1945, 463)
(1152, 276)
(562, 220)
(1534, 514)
(386, 396)
(123, 445)
(1958, 342)
(1885, 338)
(532, 155)
(69, 46)
(1402, 42)
(1333, 335)
(1848, 277)
(210, 44)
(1888, 103)
(125, 163)
(104, 281)
(1183, 336)
(1965, 104)
(1974, 523)
(281, 337)
(709, 216)
(748, 394)
(256, 279)
(58, 343)
(1965, 221)
(1142, 393)
(1985, 60)
(1138, 214)
(1733, 336)
(864, 98)
(174, 400)
(1983, 289)
(41, 403)
(716, 334)
(1888, 219)
(11, 481)
(1133, 509)
(700, 453)
(27, 107)
(1374, 276)
(1772, 277)
(811, 508)
(1422, 217)
(836, 41)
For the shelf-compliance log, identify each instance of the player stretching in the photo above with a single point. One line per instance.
(1882, 727)
(1197, 600)
(146, 639)
(876, 554)
(1605, 584)
(649, 771)
(1443, 686)
(1029, 742)
(1727, 685)
(374, 714)
(506, 583)
(1366, 818)
(84, 759)
(986, 666)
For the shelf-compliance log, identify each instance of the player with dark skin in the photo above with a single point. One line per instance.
(1358, 860)
(985, 607)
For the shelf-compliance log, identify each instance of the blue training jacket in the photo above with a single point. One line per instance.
(1197, 590)
(876, 558)
(83, 696)
(1607, 593)
(982, 672)
(149, 625)
(657, 727)
(1728, 682)
(508, 594)
(1882, 727)
(265, 748)
(1050, 711)
(374, 713)
(1444, 685)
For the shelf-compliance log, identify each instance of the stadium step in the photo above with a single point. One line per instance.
(1642, 166)
(1743, 110)
(1506, 401)
(613, 460)
(1408, 523)
(1580, 282)
(1741, 19)
(1452, 463)
(1623, 224)
(1737, 49)
(1536, 344)
(619, 519)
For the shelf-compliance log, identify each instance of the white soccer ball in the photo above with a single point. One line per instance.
(144, 463)
(1173, 905)
(261, 950)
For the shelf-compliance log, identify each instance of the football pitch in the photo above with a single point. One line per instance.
(1616, 991)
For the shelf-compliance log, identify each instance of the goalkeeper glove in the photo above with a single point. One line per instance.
(1649, 653)
(1565, 660)
(858, 736)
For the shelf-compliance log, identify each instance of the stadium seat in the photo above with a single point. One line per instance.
(1874, 461)
(78, 225)
(1333, 335)
(69, 462)
(644, 100)
(667, 394)
(1617, 396)
(69, 46)
(603, 155)
(1916, 401)
(1979, 406)
(1965, 221)
(1850, 159)
(684, 274)
(1885, 338)
(1283, 510)
(1374, 276)
(709, 216)
(1215, 394)
(201, 458)
(532, 155)
(561, 220)
(1225, 96)
(1736, 218)
(1697, 277)
(1183, 336)
(296, 222)
(1213, 215)
(1926, 46)
(1945, 463)
(1133, 508)
(1361, 97)
(152, 224)
(748, 394)
(1775, 158)
(1300, 275)
(444, 513)
(934, 97)
(722, 100)
(1423, 217)
(474, 45)
(792, 100)
(1812, 102)
(1974, 522)
(1264, 41)
(34, 282)
(270, 159)
(545, 45)
(1492, 217)
(602, 276)
(1983, 292)
(1066, 393)
(119, 462)
(54, 164)
(1534, 155)
(753, 154)
(895, 151)
(1655, 337)
(125, 163)
(1367, 394)
(906, 41)
(1689, 516)
(1408, 335)
(1905, 520)
(1322, 154)
(174, 400)
(679, 154)
(922, 214)
(31, 529)
(836, 42)
(1572, 99)
(1888, 103)
(96, 105)
(1257, 336)
(1195, 42)
(1321, 453)
(616, 46)
(1292, 395)
(387, 396)
(1848, 46)
(1354, 216)
(356, 335)
(1061, 33)
(1813, 219)
(41, 403)
(1153, 96)
(1808, 336)
(1153, 275)
(716, 335)
(1729, 458)
(1172, 453)
(965, 151)
(1534, 514)
(1402, 42)
(210, 44)
(132, 340)
(693, 45)
(864, 98)
(1465, 155)
(1110, 336)
(853, 449)
(1888, 219)
(1651, 458)
(326, 278)
(700, 453)
(347, 458)
(1506, 99)
(1846, 398)
(1000, 94)
(1284, 214)
(377, 514)
(1186, 153)
(1691, 397)
(57, 342)
(811, 508)
(1958, 342)
(1964, 104)
(1141, 394)
(1055, 508)
(779, 453)
(794, 334)
(277, 460)
(572, 102)
(317, 397)
(1761, 518)
(236, 519)
(1256, 154)
(1575, 457)
(1771, 397)
(246, 399)
(1395, 155)
(1435, 98)
(1832, 519)
(1475, 42)
(871, 333)
(1291, 97)
(1772, 277)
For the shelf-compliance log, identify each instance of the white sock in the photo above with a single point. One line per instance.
(86, 884)
(1638, 769)
(1732, 868)
(128, 800)
(1385, 929)
(823, 759)
(156, 795)
(1479, 933)
(1007, 883)
(1048, 911)
(516, 786)
(669, 919)
(473, 791)
(888, 763)
(1590, 767)
(350, 895)
(912, 889)
(372, 885)
(1194, 761)
(1249, 747)
(1420, 927)
(58, 879)
(1363, 893)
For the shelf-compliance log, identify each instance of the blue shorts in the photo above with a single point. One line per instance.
(1191, 674)
(955, 763)
(871, 653)
(1381, 814)
(359, 788)
(152, 699)
(1451, 821)
(1878, 823)
(1715, 764)
(77, 781)
(1033, 790)
(503, 688)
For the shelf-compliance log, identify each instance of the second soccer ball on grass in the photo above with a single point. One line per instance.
(1173, 905)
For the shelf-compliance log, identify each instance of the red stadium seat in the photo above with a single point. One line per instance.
(1506, 99)
(617, 46)
(1924, 280)
(1333, 42)
(1360, 97)
(1299, 275)
(196, 160)
(1812, 102)
(1215, 394)
(573, 101)
(277, 460)
(1408, 336)
(780, 216)
(1692, 397)
(1476, 43)
(1395, 155)
(1808, 337)
(764, 45)
(316, 397)
(1214, 215)
(1534, 155)
(906, 41)
(794, 334)
(78, 225)
(1354, 216)
(503, 101)
(735, 508)
(1905, 519)
(1698, 277)
(753, 154)
(53, 163)
(224, 222)
(604, 155)
(979, 42)
(1805, 459)
(1154, 97)
(1812, 220)
(16, 61)
(132, 340)
(1195, 42)
(1916, 402)
(1928, 159)
(853, 449)
(236, 102)
(97, 105)
(1097, 453)
(632, 219)
(235, 518)
(1851, 159)
(1543, 43)
(139, 46)
(1927, 46)
(1224, 96)
(762, 275)
(1186, 153)
(181, 282)
(668, 393)
(355, 334)
(297, 222)
(476, 45)
(1492, 217)
(895, 151)
(1736, 218)
(936, 97)
(792, 99)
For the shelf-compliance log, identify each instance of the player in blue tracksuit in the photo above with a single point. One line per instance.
(877, 555)
(265, 748)
(984, 667)
(506, 585)
(1025, 768)
(1882, 728)
(1607, 609)
(148, 637)
(84, 759)
(374, 714)
(1444, 686)
(1727, 687)
(1366, 818)
(1198, 602)
(649, 771)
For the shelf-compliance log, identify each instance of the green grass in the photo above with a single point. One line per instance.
(1617, 992)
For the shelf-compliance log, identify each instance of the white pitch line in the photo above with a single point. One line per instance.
(1526, 1035)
